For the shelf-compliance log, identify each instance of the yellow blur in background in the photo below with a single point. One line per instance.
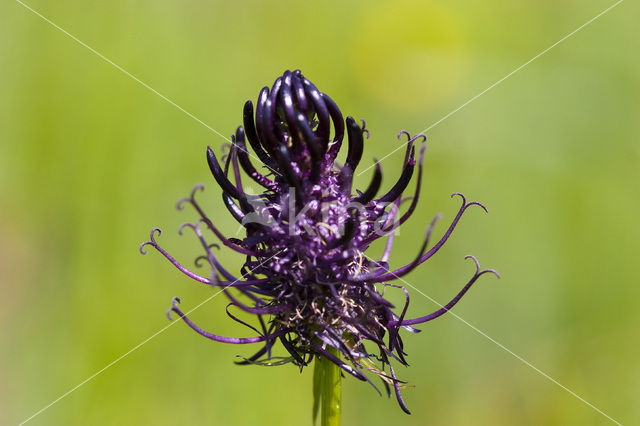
(91, 160)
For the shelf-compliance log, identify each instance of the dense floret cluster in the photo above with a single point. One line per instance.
(307, 277)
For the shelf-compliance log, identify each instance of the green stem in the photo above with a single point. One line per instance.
(327, 390)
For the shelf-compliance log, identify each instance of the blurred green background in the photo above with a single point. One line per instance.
(90, 161)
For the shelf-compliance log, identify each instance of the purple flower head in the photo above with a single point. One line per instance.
(308, 278)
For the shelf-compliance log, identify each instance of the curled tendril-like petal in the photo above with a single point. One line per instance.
(152, 240)
(475, 260)
(187, 225)
(364, 129)
(225, 148)
(198, 260)
(175, 301)
(197, 187)
(420, 135)
(181, 201)
(466, 205)
(191, 198)
(404, 132)
(481, 271)
(412, 138)
(170, 258)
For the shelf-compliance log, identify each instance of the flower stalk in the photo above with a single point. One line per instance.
(327, 390)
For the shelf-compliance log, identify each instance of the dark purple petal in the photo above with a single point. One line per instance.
(395, 192)
(373, 187)
(356, 144)
(245, 162)
(338, 125)
(252, 135)
(217, 338)
(219, 175)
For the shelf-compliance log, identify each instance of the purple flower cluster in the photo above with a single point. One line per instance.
(307, 277)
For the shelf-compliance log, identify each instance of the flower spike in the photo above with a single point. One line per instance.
(307, 280)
